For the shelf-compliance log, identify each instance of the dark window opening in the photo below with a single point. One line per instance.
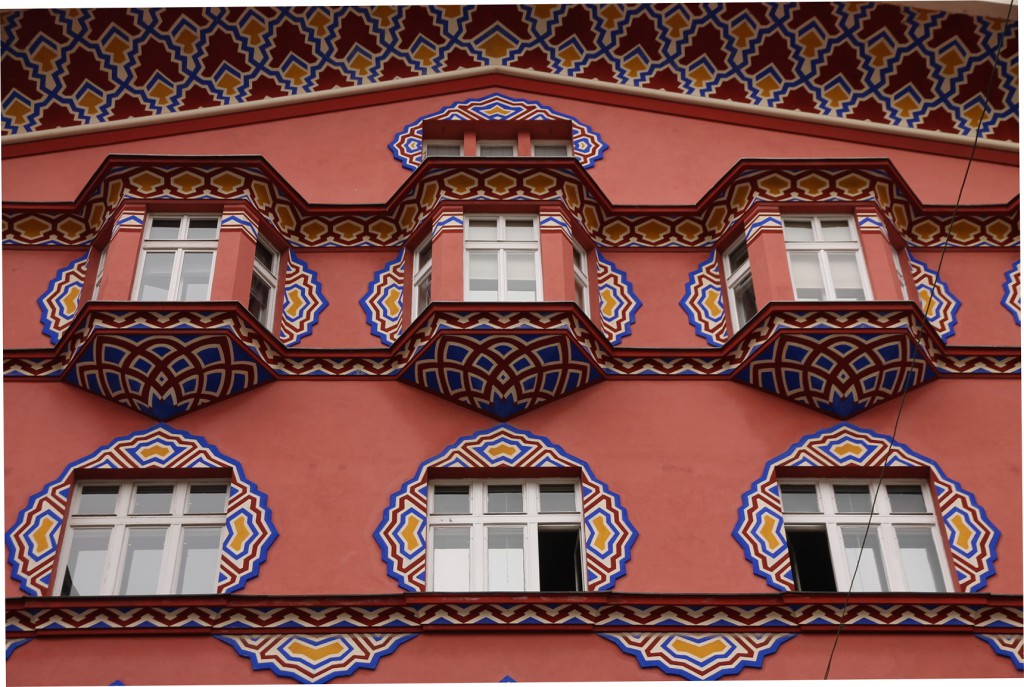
(812, 563)
(559, 555)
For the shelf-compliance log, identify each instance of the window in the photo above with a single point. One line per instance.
(552, 149)
(502, 535)
(496, 148)
(899, 272)
(422, 263)
(143, 537)
(442, 149)
(825, 525)
(177, 258)
(739, 284)
(99, 272)
(825, 260)
(579, 271)
(502, 258)
(264, 283)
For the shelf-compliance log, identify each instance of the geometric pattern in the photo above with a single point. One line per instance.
(1011, 292)
(838, 373)
(934, 294)
(1011, 646)
(699, 656)
(703, 302)
(303, 301)
(248, 533)
(60, 301)
(502, 375)
(407, 147)
(383, 301)
(252, 182)
(315, 659)
(971, 535)
(13, 644)
(619, 303)
(877, 62)
(402, 533)
(165, 374)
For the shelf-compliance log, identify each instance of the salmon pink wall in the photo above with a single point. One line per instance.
(26, 277)
(653, 158)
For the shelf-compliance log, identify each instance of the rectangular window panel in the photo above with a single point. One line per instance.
(443, 150)
(836, 230)
(86, 561)
(198, 560)
(807, 280)
(520, 229)
(155, 282)
(451, 559)
(798, 230)
(265, 256)
(482, 229)
(202, 228)
(97, 500)
(551, 150)
(207, 498)
(846, 276)
(496, 149)
(165, 228)
(505, 559)
(259, 298)
(521, 283)
(483, 276)
(811, 559)
(799, 498)
(906, 498)
(451, 500)
(196, 270)
(870, 576)
(505, 498)
(737, 258)
(557, 498)
(558, 552)
(423, 293)
(746, 304)
(852, 498)
(142, 557)
(920, 559)
(152, 499)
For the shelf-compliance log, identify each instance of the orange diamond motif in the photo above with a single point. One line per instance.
(813, 185)
(500, 183)
(187, 182)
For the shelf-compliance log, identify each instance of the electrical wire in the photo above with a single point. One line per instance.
(931, 294)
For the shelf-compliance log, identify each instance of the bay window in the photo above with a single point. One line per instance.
(581, 283)
(177, 258)
(825, 259)
(263, 292)
(496, 148)
(739, 284)
(502, 258)
(421, 276)
(826, 525)
(505, 535)
(143, 537)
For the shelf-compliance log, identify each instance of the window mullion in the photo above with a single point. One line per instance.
(826, 275)
(169, 558)
(113, 568)
(175, 283)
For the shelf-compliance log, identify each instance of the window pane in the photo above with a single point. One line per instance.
(451, 559)
(196, 269)
(505, 498)
(799, 498)
(265, 256)
(207, 498)
(846, 276)
(521, 283)
(579, 258)
(259, 298)
(84, 571)
(505, 558)
(812, 560)
(198, 562)
(482, 228)
(558, 559)
(98, 500)
(852, 498)
(807, 281)
(483, 276)
(798, 229)
(202, 228)
(451, 500)
(551, 150)
(920, 560)
(835, 230)
(424, 255)
(520, 230)
(142, 558)
(906, 498)
(152, 499)
(165, 228)
(746, 303)
(557, 498)
(496, 149)
(423, 294)
(581, 296)
(443, 150)
(155, 283)
(871, 575)
(737, 257)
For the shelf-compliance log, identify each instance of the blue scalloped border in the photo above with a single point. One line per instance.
(318, 291)
(14, 644)
(691, 315)
(1017, 663)
(1007, 295)
(48, 329)
(731, 670)
(627, 329)
(364, 301)
(939, 283)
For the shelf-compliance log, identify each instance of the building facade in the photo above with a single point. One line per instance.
(511, 343)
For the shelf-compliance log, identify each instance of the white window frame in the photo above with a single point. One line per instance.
(883, 521)
(178, 247)
(268, 277)
(442, 142)
(899, 272)
(494, 143)
(100, 266)
(503, 248)
(531, 520)
(822, 249)
(122, 521)
(734, 279)
(551, 142)
(421, 272)
(581, 278)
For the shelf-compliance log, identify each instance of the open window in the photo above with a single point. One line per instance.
(505, 535)
(143, 537)
(827, 526)
(177, 258)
